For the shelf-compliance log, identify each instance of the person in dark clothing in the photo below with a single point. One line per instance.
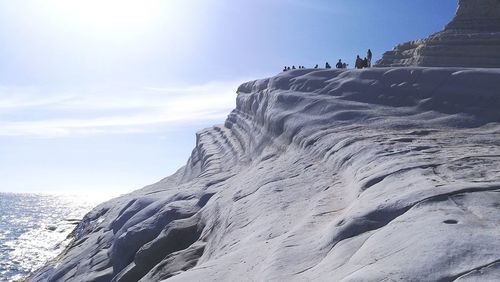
(288, 68)
(344, 65)
(369, 57)
(339, 64)
(365, 62)
(327, 66)
(316, 66)
(359, 63)
(285, 69)
(293, 67)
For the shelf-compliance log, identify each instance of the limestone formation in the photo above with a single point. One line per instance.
(318, 175)
(471, 39)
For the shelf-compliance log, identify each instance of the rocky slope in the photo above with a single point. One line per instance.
(471, 39)
(356, 175)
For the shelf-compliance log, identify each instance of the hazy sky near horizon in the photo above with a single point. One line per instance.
(107, 95)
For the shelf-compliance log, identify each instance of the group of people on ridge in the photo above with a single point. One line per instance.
(293, 68)
(366, 62)
(360, 63)
(341, 65)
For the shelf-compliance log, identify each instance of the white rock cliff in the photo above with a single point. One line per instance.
(318, 175)
(471, 39)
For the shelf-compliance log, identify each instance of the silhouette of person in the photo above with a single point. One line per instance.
(339, 64)
(327, 66)
(344, 65)
(369, 57)
(316, 66)
(285, 69)
(359, 63)
(365, 62)
(293, 68)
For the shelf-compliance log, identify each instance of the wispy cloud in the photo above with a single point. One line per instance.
(37, 113)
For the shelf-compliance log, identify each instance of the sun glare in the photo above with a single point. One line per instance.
(110, 30)
(104, 15)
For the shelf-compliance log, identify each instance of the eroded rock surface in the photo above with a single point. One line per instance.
(471, 39)
(318, 175)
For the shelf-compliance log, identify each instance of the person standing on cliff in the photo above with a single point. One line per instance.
(369, 57)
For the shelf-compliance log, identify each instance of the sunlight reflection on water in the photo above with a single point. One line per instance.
(34, 228)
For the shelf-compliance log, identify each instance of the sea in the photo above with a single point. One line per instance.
(34, 229)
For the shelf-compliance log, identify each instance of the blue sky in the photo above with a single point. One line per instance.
(106, 96)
